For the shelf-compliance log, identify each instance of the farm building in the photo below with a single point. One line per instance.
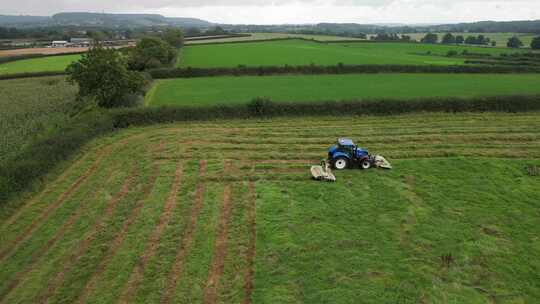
(59, 43)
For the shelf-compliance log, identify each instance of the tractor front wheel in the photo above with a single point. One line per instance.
(341, 163)
(365, 164)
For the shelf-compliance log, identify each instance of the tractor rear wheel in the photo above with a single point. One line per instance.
(365, 164)
(340, 163)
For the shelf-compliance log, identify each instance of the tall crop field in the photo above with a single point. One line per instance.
(30, 108)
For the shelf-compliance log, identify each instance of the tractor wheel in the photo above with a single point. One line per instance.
(365, 164)
(341, 163)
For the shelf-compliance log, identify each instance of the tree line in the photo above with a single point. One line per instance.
(449, 38)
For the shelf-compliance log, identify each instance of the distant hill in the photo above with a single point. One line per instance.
(100, 19)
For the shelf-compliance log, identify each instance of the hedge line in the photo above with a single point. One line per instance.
(335, 69)
(31, 74)
(31, 56)
(39, 158)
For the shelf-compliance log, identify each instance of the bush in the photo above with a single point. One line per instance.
(451, 53)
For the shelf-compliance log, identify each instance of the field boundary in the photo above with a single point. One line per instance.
(190, 72)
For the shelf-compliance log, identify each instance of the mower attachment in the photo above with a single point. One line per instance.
(381, 162)
(323, 172)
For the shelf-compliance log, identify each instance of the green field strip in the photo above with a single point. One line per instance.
(45, 64)
(158, 267)
(193, 279)
(299, 52)
(69, 278)
(116, 276)
(55, 258)
(227, 90)
(231, 287)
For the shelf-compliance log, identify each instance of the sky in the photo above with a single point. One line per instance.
(295, 11)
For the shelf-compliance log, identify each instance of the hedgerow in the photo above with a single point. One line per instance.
(335, 69)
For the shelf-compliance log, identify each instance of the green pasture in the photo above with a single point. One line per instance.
(309, 88)
(44, 64)
(301, 52)
(226, 212)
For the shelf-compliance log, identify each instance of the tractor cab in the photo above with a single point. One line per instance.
(345, 154)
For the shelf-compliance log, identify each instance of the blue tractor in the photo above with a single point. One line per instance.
(345, 154)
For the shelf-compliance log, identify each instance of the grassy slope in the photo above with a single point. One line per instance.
(52, 63)
(30, 108)
(298, 52)
(221, 90)
(454, 221)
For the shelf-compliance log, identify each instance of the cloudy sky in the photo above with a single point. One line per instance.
(295, 11)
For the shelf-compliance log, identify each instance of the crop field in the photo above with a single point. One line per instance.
(225, 212)
(44, 64)
(30, 108)
(300, 52)
(309, 88)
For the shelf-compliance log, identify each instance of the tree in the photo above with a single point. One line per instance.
(151, 52)
(174, 37)
(448, 38)
(535, 43)
(514, 42)
(430, 38)
(102, 74)
(470, 40)
(493, 43)
(460, 39)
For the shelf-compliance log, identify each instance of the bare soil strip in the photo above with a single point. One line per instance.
(11, 248)
(220, 249)
(249, 276)
(187, 240)
(83, 246)
(39, 254)
(151, 248)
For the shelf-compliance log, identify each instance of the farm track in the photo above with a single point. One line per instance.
(187, 240)
(241, 156)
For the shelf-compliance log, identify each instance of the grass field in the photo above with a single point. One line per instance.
(267, 36)
(225, 212)
(31, 108)
(45, 64)
(226, 90)
(300, 52)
